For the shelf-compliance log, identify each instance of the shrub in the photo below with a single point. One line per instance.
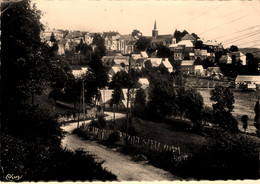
(113, 138)
(224, 156)
(36, 162)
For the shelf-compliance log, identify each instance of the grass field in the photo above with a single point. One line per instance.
(164, 133)
(244, 105)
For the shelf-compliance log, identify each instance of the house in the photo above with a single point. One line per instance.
(78, 72)
(247, 81)
(162, 40)
(187, 66)
(88, 38)
(198, 70)
(111, 40)
(106, 98)
(239, 56)
(144, 55)
(213, 46)
(61, 47)
(144, 83)
(155, 61)
(125, 44)
(182, 50)
(108, 60)
(45, 36)
(122, 61)
(202, 53)
(213, 71)
(225, 59)
(113, 70)
(167, 64)
(189, 37)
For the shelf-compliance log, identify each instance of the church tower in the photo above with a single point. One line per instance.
(155, 31)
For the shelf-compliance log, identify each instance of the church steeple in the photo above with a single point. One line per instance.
(155, 31)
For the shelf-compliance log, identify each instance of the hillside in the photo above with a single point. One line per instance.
(254, 51)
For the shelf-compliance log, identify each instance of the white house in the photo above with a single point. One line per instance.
(247, 81)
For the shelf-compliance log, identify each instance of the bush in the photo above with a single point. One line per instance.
(224, 156)
(179, 125)
(113, 138)
(35, 162)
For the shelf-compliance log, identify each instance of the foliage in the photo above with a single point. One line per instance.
(244, 119)
(25, 62)
(143, 43)
(190, 102)
(223, 98)
(233, 48)
(61, 75)
(224, 156)
(207, 62)
(136, 33)
(100, 123)
(35, 162)
(113, 138)
(257, 118)
(178, 34)
(199, 45)
(121, 80)
(99, 42)
(162, 97)
(207, 114)
(223, 105)
(140, 103)
(163, 52)
(198, 61)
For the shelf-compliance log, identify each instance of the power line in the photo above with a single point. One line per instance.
(244, 35)
(238, 31)
(227, 42)
(224, 24)
(249, 42)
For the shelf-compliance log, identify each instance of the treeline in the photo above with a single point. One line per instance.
(30, 135)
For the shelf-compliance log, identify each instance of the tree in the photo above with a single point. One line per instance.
(198, 45)
(178, 34)
(252, 64)
(198, 61)
(244, 119)
(143, 43)
(136, 33)
(191, 104)
(140, 103)
(99, 42)
(162, 97)
(223, 104)
(207, 63)
(52, 38)
(257, 118)
(233, 48)
(121, 80)
(195, 36)
(163, 52)
(25, 62)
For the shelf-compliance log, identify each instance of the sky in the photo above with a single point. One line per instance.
(233, 22)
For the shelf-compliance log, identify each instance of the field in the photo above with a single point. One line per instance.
(244, 105)
(189, 143)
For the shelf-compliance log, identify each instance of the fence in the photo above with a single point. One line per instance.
(150, 144)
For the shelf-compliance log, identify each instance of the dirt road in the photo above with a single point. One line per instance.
(119, 164)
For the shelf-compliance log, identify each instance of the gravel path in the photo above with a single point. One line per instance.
(119, 164)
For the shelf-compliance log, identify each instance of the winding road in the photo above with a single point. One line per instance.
(119, 164)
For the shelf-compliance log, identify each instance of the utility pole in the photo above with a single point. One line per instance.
(127, 101)
(83, 101)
